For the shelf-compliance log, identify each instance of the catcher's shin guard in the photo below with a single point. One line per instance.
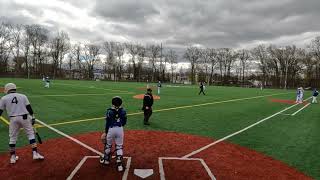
(119, 163)
(105, 159)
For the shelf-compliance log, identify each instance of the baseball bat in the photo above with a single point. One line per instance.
(37, 135)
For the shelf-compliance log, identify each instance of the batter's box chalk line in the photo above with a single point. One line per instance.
(84, 159)
(161, 169)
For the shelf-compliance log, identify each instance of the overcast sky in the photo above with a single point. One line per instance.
(175, 23)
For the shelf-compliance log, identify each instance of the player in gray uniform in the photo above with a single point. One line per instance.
(21, 116)
(47, 82)
(116, 118)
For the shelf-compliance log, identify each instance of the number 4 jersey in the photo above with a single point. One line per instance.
(15, 104)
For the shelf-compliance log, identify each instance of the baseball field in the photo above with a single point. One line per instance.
(230, 133)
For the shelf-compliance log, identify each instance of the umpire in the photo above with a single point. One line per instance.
(147, 106)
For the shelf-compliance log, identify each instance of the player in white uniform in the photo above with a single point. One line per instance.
(159, 86)
(299, 95)
(47, 82)
(21, 116)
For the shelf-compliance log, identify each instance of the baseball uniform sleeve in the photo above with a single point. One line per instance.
(26, 101)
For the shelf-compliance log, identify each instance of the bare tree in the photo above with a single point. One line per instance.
(212, 55)
(205, 58)
(260, 53)
(38, 36)
(244, 56)
(154, 51)
(134, 51)
(315, 50)
(5, 45)
(193, 55)
(172, 58)
(58, 48)
(142, 53)
(110, 64)
(119, 50)
(310, 65)
(75, 54)
(90, 57)
(17, 35)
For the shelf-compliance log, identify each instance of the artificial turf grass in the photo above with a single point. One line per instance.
(280, 137)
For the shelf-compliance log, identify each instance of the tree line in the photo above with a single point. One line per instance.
(33, 51)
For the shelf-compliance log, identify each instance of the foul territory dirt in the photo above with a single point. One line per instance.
(225, 160)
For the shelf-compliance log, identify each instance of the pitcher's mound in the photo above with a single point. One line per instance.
(141, 96)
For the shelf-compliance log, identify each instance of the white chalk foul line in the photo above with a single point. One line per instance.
(84, 159)
(161, 169)
(71, 138)
(238, 132)
(300, 109)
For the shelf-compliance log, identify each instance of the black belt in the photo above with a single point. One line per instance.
(25, 116)
(114, 126)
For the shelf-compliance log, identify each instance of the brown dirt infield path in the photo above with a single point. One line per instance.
(141, 96)
(286, 101)
(225, 160)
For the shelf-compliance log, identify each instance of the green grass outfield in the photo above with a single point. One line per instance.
(291, 139)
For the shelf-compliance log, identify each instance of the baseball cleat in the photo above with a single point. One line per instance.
(37, 156)
(104, 161)
(14, 159)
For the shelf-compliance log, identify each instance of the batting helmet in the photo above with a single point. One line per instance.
(8, 87)
(116, 101)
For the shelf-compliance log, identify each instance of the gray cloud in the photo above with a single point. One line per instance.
(179, 23)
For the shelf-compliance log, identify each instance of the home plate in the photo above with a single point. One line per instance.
(143, 173)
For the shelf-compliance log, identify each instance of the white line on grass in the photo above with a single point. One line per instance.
(71, 138)
(238, 132)
(168, 109)
(286, 114)
(63, 95)
(300, 109)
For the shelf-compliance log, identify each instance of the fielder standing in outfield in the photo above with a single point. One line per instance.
(315, 93)
(116, 119)
(159, 86)
(201, 88)
(21, 116)
(147, 106)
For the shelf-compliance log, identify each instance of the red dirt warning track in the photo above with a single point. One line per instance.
(225, 160)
